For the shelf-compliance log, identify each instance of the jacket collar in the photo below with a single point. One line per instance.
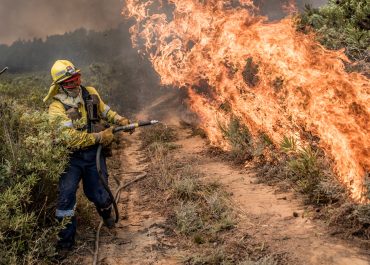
(69, 101)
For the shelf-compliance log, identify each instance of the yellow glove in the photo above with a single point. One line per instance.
(104, 137)
(121, 121)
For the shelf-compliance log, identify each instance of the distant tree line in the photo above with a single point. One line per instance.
(81, 46)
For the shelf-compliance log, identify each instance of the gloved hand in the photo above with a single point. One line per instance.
(104, 137)
(121, 121)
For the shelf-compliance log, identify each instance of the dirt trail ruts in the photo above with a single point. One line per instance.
(137, 239)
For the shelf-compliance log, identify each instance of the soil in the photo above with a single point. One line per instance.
(274, 220)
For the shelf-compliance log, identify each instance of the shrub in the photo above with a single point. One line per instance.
(27, 89)
(31, 161)
(341, 24)
(159, 133)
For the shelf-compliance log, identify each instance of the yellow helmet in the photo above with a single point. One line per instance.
(62, 70)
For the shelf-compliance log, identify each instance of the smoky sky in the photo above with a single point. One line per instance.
(274, 8)
(27, 19)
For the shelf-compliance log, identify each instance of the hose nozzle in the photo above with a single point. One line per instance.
(132, 126)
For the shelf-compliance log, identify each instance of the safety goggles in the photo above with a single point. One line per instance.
(72, 82)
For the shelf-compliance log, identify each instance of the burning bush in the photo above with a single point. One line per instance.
(275, 79)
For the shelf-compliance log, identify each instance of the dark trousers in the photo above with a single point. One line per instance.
(82, 165)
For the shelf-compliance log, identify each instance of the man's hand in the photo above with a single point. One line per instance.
(104, 137)
(121, 121)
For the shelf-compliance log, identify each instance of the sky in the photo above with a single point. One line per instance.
(27, 19)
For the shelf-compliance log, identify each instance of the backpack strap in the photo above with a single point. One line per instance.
(87, 97)
(85, 94)
(66, 107)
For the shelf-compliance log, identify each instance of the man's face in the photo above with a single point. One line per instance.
(73, 92)
(72, 85)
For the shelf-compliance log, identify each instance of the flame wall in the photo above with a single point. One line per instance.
(275, 79)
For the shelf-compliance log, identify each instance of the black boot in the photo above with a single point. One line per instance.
(64, 247)
(109, 222)
(67, 235)
(107, 217)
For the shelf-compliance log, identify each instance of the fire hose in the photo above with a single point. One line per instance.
(113, 198)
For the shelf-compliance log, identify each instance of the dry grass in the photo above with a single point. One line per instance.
(264, 261)
(186, 188)
(159, 133)
(351, 220)
(188, 218)
(198, 208)
(194, 127)
(215, 256)
(223, 256)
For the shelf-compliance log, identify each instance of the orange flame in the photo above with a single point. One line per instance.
(275, 79)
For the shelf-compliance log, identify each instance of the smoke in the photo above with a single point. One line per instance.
(38, 18)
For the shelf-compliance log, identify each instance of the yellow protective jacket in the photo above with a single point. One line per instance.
(78, 138)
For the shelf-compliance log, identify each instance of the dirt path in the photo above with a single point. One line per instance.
(263, 214)
(269, 216)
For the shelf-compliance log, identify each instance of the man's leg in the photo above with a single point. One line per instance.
(68, 184)
(95, 191)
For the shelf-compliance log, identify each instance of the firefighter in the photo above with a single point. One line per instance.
(82, 113)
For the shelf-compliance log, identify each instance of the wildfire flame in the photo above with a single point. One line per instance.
(275, 79)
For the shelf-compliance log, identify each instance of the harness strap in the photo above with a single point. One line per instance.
(86, 96)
